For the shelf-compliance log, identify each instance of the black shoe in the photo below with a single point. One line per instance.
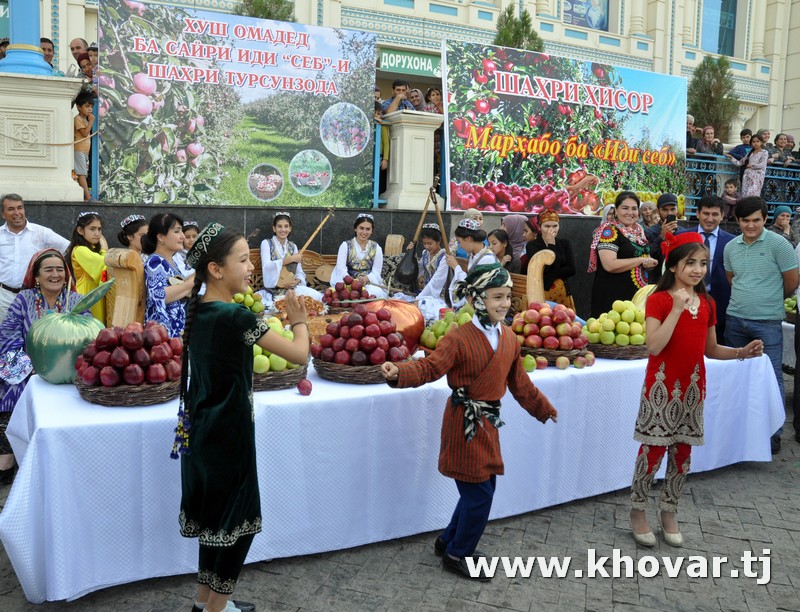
(439, 548)
(775, 444)
(460, 568)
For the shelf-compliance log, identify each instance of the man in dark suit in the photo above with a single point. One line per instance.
(709, 213)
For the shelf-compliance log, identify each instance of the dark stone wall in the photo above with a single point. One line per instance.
(256, 224)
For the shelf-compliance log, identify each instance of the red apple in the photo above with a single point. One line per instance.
(327, 354)
(565, 343)
(339, 286)
(134, 326)
(359, 358)
(394, 339)
(563, 329)
(373, 330)
(304, 387)
(545, 321)
(101, 359)
(352, 345)
(120, 358)
(579, 362)
(134, 375)
(377, 357)
(90, 351)
(344, 332)
(357, 331)
(345, 320)
(342, 358)
(517, 325)
(383, 343)
(109, 377)
(368, 344)
(576, 331)
(386, 327)
(142, 358)
(356, 285)
(571, 314)
(589, 358)
(541, 362)
(580, 342)
(156, 374)
(531, 316)
(132, 340)
(370, 319)
(80, 363)
(545, 311)
(530, 329)
(354, 295)
(160, 354)
(315, 350)
(536, 306)
(348, 280)
(106, 339)
(332, 329)
(560, 316)
(361, 310)
(326, 340)
(90, 376)
(338, 344)
(562, 363)
(151, 337)
(356, 319)
(384, 314)
(550, 342)
(396, 354)
(534, 341)
(547, 330)
(176, 344)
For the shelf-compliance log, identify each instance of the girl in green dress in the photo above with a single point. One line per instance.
(220, 502)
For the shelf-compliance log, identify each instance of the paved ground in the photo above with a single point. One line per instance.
(750, 506)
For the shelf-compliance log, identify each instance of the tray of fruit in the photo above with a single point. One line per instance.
(313, 307)
(353, 348)
(345, 293)
(272, 372)
(619, 333)
(790, 306)
(251, 300)
(549, 332)
(447, 322)
(135, 366)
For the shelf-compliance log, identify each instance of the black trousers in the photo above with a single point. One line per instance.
(219, 566)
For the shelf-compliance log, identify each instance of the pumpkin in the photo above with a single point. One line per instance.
(407, 318)
(55, 341)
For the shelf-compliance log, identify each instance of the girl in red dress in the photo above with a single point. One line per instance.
(680, 320)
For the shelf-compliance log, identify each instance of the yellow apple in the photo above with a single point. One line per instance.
(608, 325)
(623, 328)
(261, 364)
(277, 364)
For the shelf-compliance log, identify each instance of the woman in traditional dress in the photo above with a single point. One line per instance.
(557, 273)
(455, 246)
(86, 256)
(432, 280)
(361, 258)
(619, 256)
(47, 287)
(277, 252)
(471, 239)
(165, 284)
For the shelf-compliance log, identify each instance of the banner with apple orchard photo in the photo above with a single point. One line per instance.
(198, 107)
(527, 131)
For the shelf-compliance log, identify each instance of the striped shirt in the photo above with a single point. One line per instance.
(757, 285)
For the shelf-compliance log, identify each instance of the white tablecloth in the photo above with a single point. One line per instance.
(789, 358)
(95, 502)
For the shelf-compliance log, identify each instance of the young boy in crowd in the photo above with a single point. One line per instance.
(739, 151)
(83, 122)
(92, 51)
(729, 198)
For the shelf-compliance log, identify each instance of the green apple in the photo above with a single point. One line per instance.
(277, 328)
(614, 315)
(288, 334)
(439, 328)
(464, 318)
(291, 366)
(248, 301)
(467, 308)
(452, 327)
(637, 339)
(636, 328)
(607, 337)
(277, 364)
(629, 316)
(238, 298)
(595, 327)
(257, 306)
(623, 328)
(594, 337)
(589, 321)
(256, 350)
(261, 364)
(618, 306)
(258, 297)
(449, 316)
(640, 316)
(622, 340)
(249, 290)
(608, 325)
(272, 320)
(529, 363)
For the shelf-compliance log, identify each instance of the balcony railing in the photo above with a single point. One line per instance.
(706, 175)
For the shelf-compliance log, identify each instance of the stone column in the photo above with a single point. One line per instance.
(24, 54)
(637, 17)
(36, 157)
(689, 17)
(757, 30)
(410, 158)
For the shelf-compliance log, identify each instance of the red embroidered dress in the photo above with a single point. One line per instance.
(674, 391)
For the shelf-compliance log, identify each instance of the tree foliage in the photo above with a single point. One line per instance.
(517, 32)
(712, 96)
(277, 10)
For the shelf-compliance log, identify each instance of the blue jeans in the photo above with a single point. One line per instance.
(470, 517)
(739, 332)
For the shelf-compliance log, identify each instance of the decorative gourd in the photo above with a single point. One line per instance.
(640, 297)
(55, 341)
(407, 318)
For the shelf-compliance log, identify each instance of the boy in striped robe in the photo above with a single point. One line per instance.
(480, 359)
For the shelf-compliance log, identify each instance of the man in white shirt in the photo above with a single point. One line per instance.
(76, 47)
(19, 240)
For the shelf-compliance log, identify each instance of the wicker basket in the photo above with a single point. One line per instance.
(552, 354)
(613, 351)
(129, 395)
(353, 375)
(791, 317)
(273, 381)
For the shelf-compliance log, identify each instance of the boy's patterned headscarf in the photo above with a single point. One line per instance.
(479, 279)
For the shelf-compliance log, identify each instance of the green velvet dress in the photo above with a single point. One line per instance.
(220, 501)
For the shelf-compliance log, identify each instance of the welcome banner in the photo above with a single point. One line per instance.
(200, 107)
(528, 131)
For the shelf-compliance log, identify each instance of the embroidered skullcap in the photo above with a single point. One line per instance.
(365, 216)
(282, 213)
(434, 226)
(479, 279)
(470, 224)
(193, 224)
(88, 212)
(547, 214)
(203, 243)
(131, 219)
(672, 242)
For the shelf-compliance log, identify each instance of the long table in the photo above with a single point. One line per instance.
(95, 502)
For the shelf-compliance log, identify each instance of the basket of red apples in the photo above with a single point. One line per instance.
(353, 349)
(548, 332)
(136, 366)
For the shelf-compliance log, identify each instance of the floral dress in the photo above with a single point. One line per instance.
(611, 286)
(753, 177)
(671, 409)
(157, 272)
